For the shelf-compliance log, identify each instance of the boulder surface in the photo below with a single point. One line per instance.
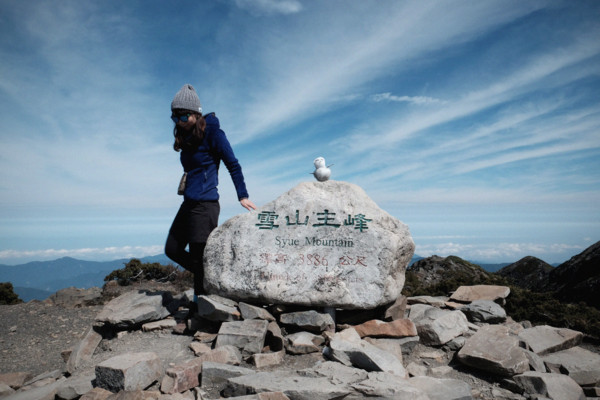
(320, 244)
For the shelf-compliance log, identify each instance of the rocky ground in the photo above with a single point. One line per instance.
(33, 336)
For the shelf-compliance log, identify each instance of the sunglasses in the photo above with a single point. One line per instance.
(180, 117)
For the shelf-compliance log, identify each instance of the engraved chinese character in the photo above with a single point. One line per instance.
(359, 221)
(360, 260)
(297, 220)
(267, 220)
(281, 258)
(325, 218)
(345, 260)
(265, 257)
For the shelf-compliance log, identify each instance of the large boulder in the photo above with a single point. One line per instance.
(320, 244)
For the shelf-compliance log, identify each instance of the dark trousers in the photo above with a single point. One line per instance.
(194, 221)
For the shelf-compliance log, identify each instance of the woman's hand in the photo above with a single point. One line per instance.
(247, 204)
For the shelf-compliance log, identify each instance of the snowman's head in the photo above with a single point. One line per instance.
(319, 162)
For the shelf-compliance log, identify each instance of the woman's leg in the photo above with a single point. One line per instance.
(204, 217)
(197, 255)
(178, 239)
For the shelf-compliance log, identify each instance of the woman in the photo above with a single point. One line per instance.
(203, 145)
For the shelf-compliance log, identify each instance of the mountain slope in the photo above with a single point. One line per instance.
(529, 273)
(578, 279)
(442, 275)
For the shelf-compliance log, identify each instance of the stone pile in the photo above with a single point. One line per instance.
(423, 347)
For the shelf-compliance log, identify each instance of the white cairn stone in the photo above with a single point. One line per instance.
(322, 171)
(320, 244)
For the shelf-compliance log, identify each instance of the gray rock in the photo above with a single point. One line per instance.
(397, 310)
(303, 343)
(480, 292)
(75, 386)
(435, 301)
(73, 297)
(456, 344)
(308, 320)
(275, 343)
(535, 362)
(217, 308)
(248, 335)
(46, 392)
(293, 385)
(253, 312)
(392, 346)
(320, 244)
(217, 374)
(185, 376)
(129, 371)
(388, 386)
(15, 379)
(494, 350)
(416, 312)
(5, 390)
(546, 339)
(337, 373)
(133, 308)
(84, 350)
(415, 369)
(407, 344)
(484, 311)
(580, 364)
(159, 325)
(442, 389)
(437, 327)
(348, 348)
(553, 386)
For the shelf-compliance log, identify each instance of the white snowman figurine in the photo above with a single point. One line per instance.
(322, 171)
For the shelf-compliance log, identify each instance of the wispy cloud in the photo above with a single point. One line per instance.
(509, 252)
(268, 7)
(324, 65)
(420, 100)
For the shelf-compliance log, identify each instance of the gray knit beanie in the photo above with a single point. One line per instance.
(186, 99)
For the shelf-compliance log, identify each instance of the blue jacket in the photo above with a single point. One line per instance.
(202, 165)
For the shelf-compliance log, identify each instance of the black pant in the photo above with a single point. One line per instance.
(194, 221)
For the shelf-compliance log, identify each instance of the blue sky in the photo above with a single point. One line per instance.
(476, 123)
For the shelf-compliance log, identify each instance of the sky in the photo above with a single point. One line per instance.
(476, 123)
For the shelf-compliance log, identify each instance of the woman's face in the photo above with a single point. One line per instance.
(187, 125)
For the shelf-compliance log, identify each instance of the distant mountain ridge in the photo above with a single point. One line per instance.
(39, 279)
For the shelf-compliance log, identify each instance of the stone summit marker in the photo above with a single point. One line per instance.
(320, 244)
